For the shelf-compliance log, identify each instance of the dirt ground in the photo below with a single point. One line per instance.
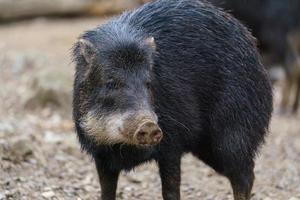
(40, 157)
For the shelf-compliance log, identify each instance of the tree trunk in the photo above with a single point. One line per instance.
(11, 9)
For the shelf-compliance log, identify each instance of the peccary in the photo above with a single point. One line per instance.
(171, 77)
(276, 24)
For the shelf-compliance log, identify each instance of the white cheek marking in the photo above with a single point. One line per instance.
(105, 130)
(115, 124)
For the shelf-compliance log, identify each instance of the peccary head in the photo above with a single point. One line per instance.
(113, 100)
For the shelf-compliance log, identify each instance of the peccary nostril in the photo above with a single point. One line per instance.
(148, 133)
(156, 135)
(141, 135)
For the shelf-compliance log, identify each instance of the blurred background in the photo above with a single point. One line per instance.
(40, 157)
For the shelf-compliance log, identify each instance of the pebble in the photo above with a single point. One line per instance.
(51, 137)
(135, 180)
(48, 194)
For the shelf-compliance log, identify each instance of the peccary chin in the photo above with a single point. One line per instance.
(117, 85)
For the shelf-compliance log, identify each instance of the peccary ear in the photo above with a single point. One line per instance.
(151, 42)
(87, 50)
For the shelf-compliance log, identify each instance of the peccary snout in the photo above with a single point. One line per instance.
(148, 133)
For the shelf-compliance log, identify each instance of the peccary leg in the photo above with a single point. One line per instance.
(286, 92)
(169, 168)
(238, 167)
(241, 181)
(234, 151)
(108, 182)
(292, 69)
(297, 97)
(242, 185)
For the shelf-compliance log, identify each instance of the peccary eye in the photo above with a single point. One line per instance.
(108, 102)
(148, 85)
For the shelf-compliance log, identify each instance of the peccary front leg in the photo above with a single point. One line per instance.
(108, 182)
(242, 185)
(169, 169)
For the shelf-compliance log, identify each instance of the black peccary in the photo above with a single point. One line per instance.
(271, 21)
(171, 77)
(275, 23)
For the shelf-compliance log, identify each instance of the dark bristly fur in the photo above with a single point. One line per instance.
(276, 24)
(210, 91)
(270, 20)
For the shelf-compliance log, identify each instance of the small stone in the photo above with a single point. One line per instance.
(48, 194)
(88, 188)
(51, 137)
(134, 179)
